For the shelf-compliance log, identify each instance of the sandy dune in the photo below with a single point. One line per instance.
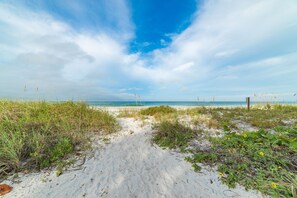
(129, 166)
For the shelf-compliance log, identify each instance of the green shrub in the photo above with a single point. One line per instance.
(152, 111)
(37, 134)
(172, 134)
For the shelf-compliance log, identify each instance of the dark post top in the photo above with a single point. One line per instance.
(248, 102)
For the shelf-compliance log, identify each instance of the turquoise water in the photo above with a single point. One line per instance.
(173, 103)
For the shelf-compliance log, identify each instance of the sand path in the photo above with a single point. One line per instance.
(129, 166)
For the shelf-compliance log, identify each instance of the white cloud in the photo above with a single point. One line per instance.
(256, 37)
(226, 53)
(184, 67)
(39, 51)
(231, 48)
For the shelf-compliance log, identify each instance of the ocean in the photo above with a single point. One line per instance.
(176, 103)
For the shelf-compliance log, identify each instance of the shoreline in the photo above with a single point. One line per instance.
(173, 106)
(184, 103)
(180, 107)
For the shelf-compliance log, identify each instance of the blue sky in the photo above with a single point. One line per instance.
(160, 50)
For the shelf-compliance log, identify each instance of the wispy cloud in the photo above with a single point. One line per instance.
(230, 49)
(256, 37)
(39, 51)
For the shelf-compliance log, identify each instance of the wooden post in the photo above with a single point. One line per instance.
(248, 102)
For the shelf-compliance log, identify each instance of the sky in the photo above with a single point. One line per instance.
(156, 49)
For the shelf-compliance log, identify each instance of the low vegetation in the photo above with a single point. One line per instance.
(268, 116)
(257, 160)
(155, 111)
(172, 135)
(35, 135)
(128, 113)
(264, 159)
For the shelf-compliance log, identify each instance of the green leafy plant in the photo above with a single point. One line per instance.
(257, 160)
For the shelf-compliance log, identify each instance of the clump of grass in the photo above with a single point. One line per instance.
(128, 113)
(153, 111)
(293, 181)
(213, 124)
(172, 134)
(35, 135)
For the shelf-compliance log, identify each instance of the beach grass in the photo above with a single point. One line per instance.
(172, 134)
(35, 135)
(129, 113)
(260, 116)
(158, 110)
(264, 159)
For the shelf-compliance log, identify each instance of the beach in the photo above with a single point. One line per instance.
(148, 99)
(126, 164)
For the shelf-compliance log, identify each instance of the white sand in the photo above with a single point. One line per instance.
(130, 166)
